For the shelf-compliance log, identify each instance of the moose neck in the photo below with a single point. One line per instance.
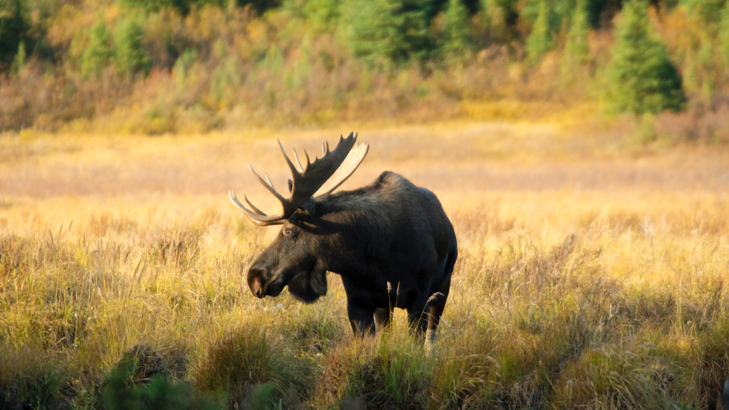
(345, 231)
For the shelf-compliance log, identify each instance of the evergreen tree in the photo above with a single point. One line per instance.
(493, 15)
(182, 68)
(724, 34)
(540, 41)
(130, 55)
(13, 28)
(456, 31)
(708, 10)
(641, 76)
(99, 52)
(19, 61)
(323, 13)
(393, 31)
(576, 49)
(498, 16)
(564, 10)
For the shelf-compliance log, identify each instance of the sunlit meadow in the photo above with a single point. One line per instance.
(591, 274)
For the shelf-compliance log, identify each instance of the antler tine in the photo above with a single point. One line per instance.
(255, 209)
(308, 161)
(298, 162)
(350, 164)
(270, 188)
(258, 219)
(294, 172)
(328, 171)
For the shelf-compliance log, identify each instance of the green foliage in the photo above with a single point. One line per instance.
(540, 41)
(641, 76)
(224, 80)
(183, 65)
(160, 392)
(724, 34)
(99, 52)
(307, 57)
(130, 57)
(645, 130)
(576, 50)
(182, 6)
(323, 13)
(245, 365)
(708, 10)
(390, 31)
(31, 378)
(260, 6)
(499, 16)
(19, 61)
(273, 60)
(13, 28)
(394, 374)
(456, 32)
(713, 352)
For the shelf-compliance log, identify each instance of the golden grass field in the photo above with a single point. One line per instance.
(592, 273)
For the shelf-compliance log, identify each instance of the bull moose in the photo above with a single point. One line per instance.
(391, 242)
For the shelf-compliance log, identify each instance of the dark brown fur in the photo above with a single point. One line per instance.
(390, 232)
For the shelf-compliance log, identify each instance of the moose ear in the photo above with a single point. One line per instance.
(309, 206)
(309, 286)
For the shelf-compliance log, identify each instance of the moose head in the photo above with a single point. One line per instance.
(294, 258)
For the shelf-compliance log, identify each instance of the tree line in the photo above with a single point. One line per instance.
(152, 66)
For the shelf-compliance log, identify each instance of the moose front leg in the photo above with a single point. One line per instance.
(361, 319)
(367, 321)
(382, 318)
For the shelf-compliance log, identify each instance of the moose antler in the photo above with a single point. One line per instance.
(325, 175)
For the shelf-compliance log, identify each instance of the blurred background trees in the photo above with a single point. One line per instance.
(641, 76)
(166, 65)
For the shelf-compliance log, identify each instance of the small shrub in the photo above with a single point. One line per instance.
(138, 383)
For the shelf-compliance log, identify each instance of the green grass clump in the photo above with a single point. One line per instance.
(138, 382)
(32, 378)
(253, 370)
(713, 362)
(392, 371)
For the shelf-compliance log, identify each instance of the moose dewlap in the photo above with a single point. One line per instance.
(388, 232)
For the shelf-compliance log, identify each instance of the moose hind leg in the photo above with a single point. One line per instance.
(435, 310)
(437, 301)
(417, 318)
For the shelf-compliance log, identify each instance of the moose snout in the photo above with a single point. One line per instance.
(254, 282)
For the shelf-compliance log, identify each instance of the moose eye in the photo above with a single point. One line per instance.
(287, 231)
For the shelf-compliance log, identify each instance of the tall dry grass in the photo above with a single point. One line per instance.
(592, 281)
